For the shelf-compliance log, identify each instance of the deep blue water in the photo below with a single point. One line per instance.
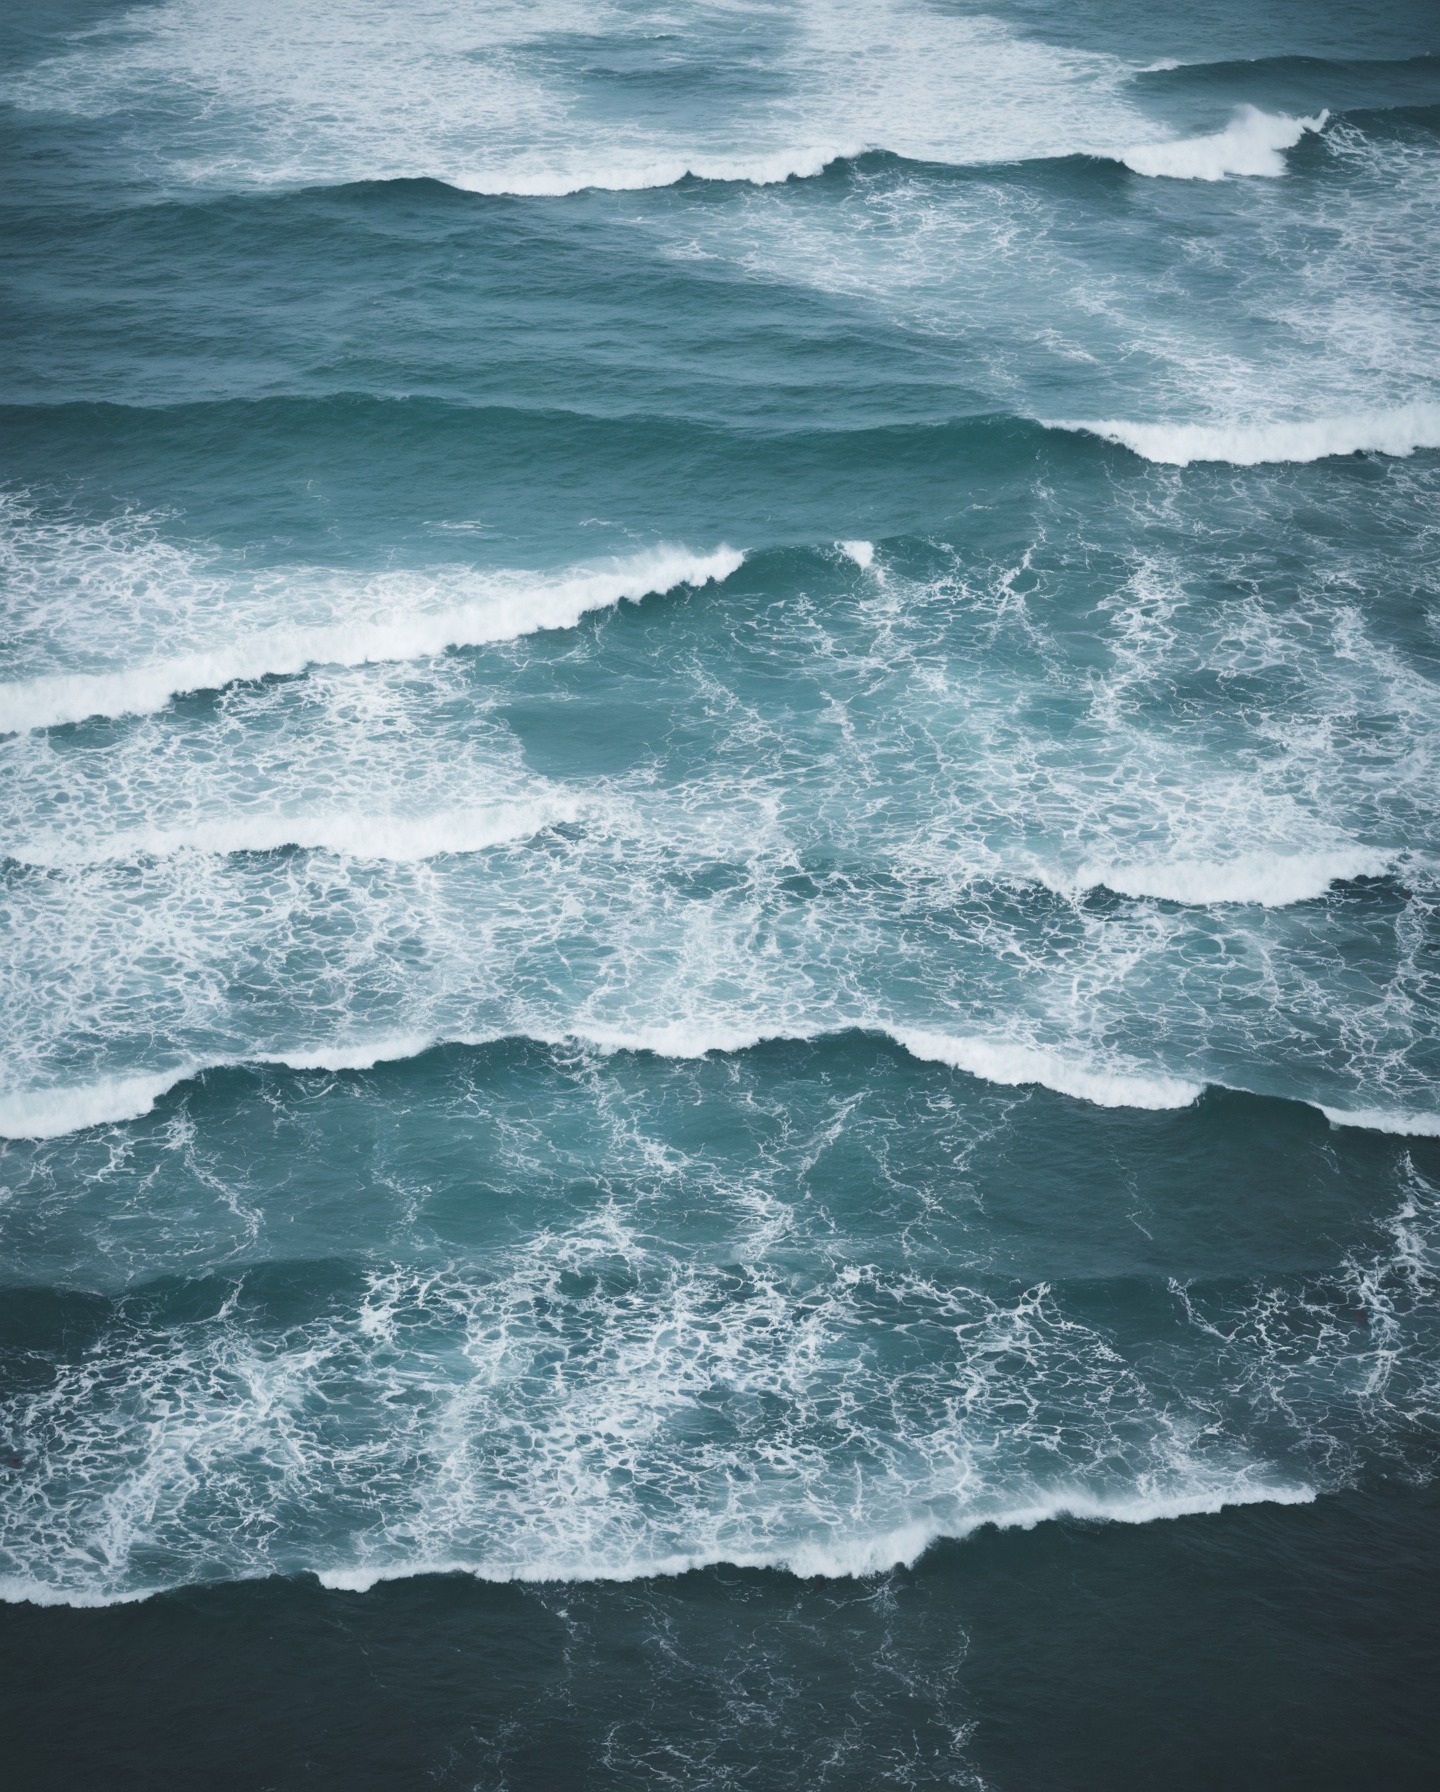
(721, 894)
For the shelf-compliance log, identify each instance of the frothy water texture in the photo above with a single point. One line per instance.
(718, 744)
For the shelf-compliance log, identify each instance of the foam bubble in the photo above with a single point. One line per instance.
(861, 552)
(1251, 144)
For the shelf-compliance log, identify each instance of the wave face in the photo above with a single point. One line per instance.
(719, 871)
(623, 1393)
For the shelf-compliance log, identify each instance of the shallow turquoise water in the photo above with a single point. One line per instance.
(720, 860)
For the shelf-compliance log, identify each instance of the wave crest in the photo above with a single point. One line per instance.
(1399, 431)
(385, 838)
(505, 607)
(1253, 143)
(1268, 880)
(853, 1558)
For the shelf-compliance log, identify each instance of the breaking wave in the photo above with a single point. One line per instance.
(1269, 880)
(53, 1112)
(389, 838)
(1399, 431)
(504, 607)
(1253, 143)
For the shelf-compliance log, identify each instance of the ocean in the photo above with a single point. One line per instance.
(720, 956)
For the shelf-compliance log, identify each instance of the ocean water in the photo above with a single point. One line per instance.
(720, 969)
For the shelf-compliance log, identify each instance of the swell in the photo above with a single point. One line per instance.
(856, 1559)
(382, 471)
(59, 1110)
(678, 458)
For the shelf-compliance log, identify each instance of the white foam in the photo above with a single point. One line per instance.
(1251, 144)
(241, 92)
(1413, 1126)
(385, 838)
(999, 1061)
(846, 1558)
(801, 162)
(51, 1113)
(504, 607)
(861, 552)
(1270, 880)
(1399, 431)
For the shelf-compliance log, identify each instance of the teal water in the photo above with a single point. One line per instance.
(721, 893)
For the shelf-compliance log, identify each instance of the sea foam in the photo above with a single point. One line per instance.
(504, 607)
(398, 839)
(1397, 431)
(857, 1557)
(1419, 1126)
(1266, 879)
(1253, 143)
(238, 93)
(1000, 1061)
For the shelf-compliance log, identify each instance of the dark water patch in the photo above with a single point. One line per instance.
(1299, 83)
(1258, 1648)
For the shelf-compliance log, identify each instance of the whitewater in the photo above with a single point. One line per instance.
(721, 893)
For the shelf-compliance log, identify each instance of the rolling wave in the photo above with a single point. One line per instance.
(858, 1557)
(1251, 144)
(54, 1112)
(396, 839)
(508, 606)
(1266, 879)
(1399, 431)
(854, 1558)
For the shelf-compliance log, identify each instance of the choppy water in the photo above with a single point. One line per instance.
(718, 799)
